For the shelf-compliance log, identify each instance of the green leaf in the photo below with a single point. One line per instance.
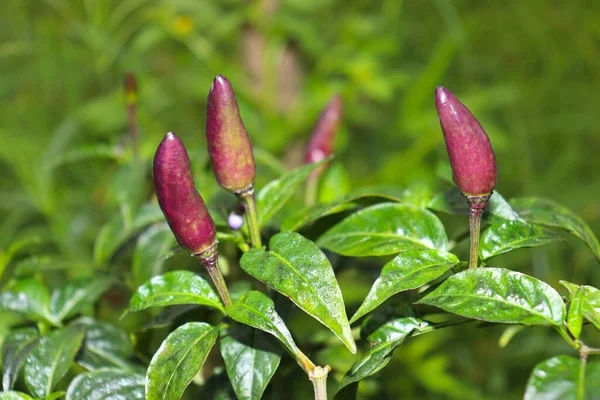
(305, 216)
(29, 297)
(105, 346)
(69, 299)
(571, 287)
(591, 305)
(511, 235)
(384, 229)
(176, 287)
(6, 256)
(86, 152)
(178, 359)
(334, 182)
(276, 193)
(557, 379)
(51, 359)
(148, 256)
(167, 315)
(548, 213)
(575, 314)
(454, 202)
(16, 347)
(409, 270)
(383, 341)
(107, 383)
(297, 268)
(251, 359)
(35, 264)
(257, 310)
(499, 295)
(116, 232)
(14, 396)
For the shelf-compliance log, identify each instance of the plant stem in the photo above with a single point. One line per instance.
(312, 187)
(319, 379)
(581, 378)
(247, 196)
(210, 260)
(476, 207)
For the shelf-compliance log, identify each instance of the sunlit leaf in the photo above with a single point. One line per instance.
(575, 314)
(51, 359)
(454, 202)
(29, 297)
(546, 212)
(251, 359)
(383, 341)
(257, 310)
(510, 235)
(105, 346)
(499, 295)
(297, 268)
(408, 270)
(305, 216)
(383, 229)
(70, 298)
(176, 287)
(107, 383)
(178, 359)
(557, 379)
(15, 348)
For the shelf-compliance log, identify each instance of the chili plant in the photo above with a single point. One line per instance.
(232, 331)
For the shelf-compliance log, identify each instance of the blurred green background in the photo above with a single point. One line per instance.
(529, 70)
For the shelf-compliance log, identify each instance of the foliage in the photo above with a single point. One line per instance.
(82, 240)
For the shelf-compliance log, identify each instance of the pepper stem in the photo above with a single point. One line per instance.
(476, 207)
(247, 196)
(210, 259)
(319, 379)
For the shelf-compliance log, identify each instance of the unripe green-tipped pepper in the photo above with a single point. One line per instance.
(469, 149)
(178, 198)
(229, 146)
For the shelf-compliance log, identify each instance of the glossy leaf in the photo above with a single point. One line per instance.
(107, 383)
(511, 235)
(116, 231)
(305, 216)
(105, 346)
(257, 310)
(409, 270)
(575, 314)
(499, 295)
(69, 299)
(176, 287)
(454, 202)
(557, 379)
(384, 229)
(251, 359)
(178, 359)
(29, 297)
(51, 359)
(150, 248)
(383, 341)
(297, 268)
(35, 264)
(546, 212)
(14, 396)
(275, 194)
(591, 306)
(15, 348)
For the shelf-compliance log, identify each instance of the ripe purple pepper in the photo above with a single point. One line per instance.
(229, 146)
(322, 141)
(178, 198)
(471, 156)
